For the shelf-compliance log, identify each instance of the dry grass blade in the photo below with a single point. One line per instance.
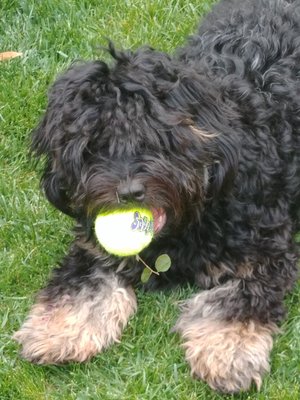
(7, 55)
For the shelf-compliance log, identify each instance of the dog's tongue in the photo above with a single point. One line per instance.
(160, 218)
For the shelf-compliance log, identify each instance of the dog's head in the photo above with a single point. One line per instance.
(146, 130)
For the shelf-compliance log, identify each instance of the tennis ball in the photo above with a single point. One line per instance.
(125, 232)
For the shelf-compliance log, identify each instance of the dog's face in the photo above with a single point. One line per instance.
(124, 135)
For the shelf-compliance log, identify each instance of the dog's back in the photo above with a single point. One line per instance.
(252, 50)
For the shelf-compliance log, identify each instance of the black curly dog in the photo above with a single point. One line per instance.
(209, 139)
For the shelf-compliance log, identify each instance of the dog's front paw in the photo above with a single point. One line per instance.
(74, 329)
(229, 356)
(52, 335)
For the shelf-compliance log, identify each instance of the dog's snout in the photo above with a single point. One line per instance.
(131, 191)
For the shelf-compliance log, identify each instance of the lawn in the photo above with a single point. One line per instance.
(149, 363)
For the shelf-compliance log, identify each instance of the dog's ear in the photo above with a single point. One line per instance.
(63, 134)
(222, 171)
(213, 123)
(219, 153)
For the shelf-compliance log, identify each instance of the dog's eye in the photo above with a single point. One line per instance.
(141, 169)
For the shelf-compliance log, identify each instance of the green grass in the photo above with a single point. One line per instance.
(148, 363)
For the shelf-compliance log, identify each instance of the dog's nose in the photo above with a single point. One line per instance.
(131, 191)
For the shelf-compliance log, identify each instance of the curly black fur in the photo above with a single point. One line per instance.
(210, 135)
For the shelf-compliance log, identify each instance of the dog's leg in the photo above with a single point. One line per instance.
(227, 331)
(82, 311)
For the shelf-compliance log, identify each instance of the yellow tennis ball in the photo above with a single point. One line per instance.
(125, 232)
